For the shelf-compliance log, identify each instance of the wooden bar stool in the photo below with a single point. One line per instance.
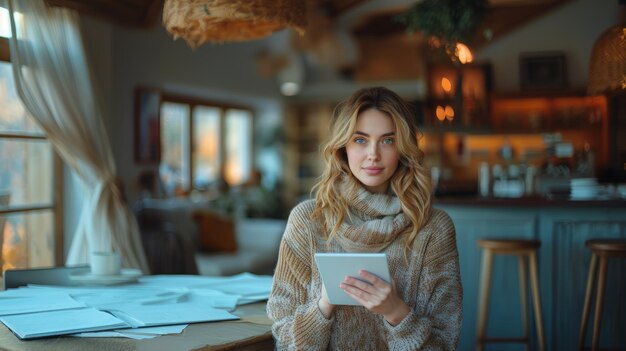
(521, 249)
(603, 248)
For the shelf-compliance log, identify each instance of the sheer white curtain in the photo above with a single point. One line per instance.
(55, 84)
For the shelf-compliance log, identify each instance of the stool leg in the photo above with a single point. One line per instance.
(599, 301)
(521, 262)
(483, 300)
(534, 283)
(587, 305)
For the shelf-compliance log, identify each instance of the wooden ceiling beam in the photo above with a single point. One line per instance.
(135, 13)
(500, 20)
(335, 8)
(503, 17)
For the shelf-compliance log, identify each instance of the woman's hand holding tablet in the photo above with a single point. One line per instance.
(335, 267)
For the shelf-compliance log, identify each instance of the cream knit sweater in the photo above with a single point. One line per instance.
(429, 282)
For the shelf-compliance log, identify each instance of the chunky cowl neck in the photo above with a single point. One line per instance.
(373, 221)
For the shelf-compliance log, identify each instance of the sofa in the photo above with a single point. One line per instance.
(181, 236)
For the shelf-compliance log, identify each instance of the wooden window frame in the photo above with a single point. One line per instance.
(57, 204)
(223, 107)
(5, 54)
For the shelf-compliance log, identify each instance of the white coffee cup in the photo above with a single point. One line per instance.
(105, 263)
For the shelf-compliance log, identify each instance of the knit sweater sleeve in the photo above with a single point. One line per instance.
(434, 324)
(298, 324)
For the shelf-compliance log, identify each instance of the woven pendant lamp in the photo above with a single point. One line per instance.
(607, 67)
(201, 21)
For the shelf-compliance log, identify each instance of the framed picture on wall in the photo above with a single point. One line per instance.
(543, 71)
(147, 125)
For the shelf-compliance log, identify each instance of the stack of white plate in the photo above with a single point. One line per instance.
(584, 188)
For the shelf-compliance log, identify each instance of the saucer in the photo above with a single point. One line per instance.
(127, 275)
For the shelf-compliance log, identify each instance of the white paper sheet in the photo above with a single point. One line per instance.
(107, 298)
(138, 315)
(34, 325)
(114, 334)
(215, 298)
(37, 303)
(167, 329)
(136, 333)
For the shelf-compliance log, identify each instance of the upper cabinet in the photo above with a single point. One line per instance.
(540, 114)
(458, 97)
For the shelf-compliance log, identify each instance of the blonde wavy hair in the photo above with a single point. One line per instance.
(410, 182)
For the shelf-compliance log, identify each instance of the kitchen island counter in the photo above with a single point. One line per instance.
(533, 201)
(562, 226)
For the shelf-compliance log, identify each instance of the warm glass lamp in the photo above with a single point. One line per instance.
(607, 68)
(201, 21)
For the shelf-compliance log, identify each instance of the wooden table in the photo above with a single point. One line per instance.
(252, 332)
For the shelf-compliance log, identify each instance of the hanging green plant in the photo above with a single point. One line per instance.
(450, 21)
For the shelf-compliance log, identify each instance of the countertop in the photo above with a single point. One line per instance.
(534, 201)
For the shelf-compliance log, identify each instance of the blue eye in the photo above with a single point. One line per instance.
(359, 140)
(388, 141)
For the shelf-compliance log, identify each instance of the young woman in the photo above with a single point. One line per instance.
(374, 196)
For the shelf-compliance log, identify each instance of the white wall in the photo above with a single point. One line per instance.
(572, 28)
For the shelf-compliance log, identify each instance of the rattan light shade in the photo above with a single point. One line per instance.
(201, 21)
(607, 68)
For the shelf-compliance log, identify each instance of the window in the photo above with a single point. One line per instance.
(30, 226)
(203, 145)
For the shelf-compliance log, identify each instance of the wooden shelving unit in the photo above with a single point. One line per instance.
(307, 126)
(548, 113)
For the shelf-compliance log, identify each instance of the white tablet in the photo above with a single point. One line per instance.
(334, 267)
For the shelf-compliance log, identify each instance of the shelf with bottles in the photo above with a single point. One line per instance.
(537, 114)
(460, 156)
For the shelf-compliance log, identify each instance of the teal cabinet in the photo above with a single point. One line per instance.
(563, 267)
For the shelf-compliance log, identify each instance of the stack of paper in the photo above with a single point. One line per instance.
(39, 311)
(137, 315)
(40, 324)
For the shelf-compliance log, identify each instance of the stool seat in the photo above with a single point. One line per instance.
(607, 245)
(508, 244)
(601, 250)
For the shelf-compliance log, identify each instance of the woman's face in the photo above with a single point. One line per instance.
(372, 153)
